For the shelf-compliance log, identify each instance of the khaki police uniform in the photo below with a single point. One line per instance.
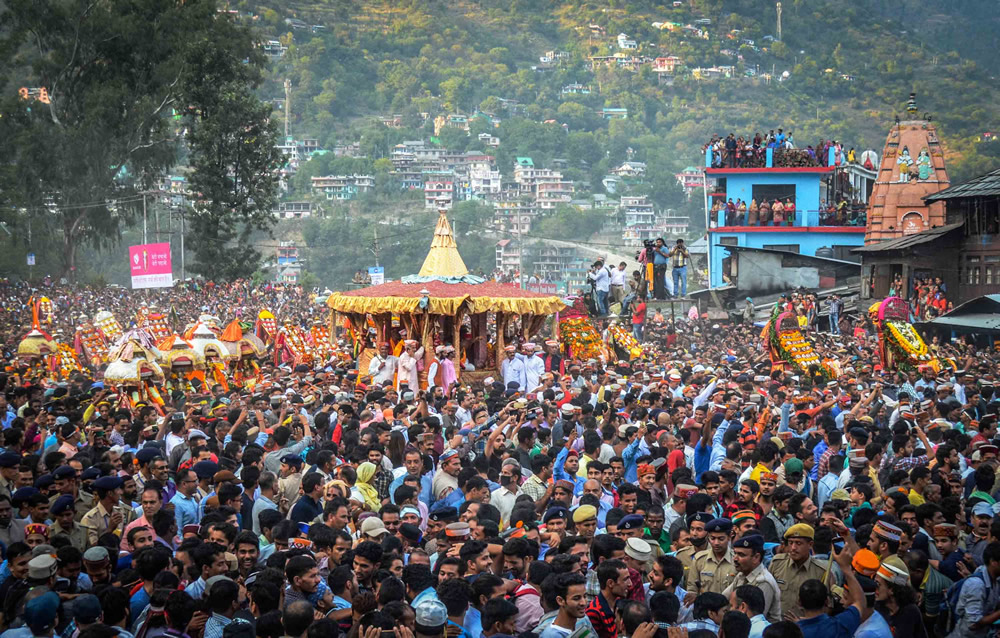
(84, 503)
(790, 577)
(96, 521)
(710, 573)
(77, 536)
(686, 556)
(763, 579)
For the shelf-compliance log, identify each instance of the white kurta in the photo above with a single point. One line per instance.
(513, 370)
(382, 369)
(408, 367)
(534, 368)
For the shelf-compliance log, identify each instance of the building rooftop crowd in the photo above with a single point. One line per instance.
(690, 492)
(750, 151)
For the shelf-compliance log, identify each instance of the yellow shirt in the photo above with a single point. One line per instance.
(916, 499)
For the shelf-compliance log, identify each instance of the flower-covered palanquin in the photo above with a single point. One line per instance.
(790, 350)
(900, 346)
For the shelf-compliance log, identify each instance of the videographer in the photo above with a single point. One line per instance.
(660, 260)
(600, 281)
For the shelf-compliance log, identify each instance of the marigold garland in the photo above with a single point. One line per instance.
(580, 339)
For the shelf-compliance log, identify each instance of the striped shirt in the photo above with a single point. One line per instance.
(602, 617)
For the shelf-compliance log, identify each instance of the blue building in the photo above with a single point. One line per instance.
(818, 227)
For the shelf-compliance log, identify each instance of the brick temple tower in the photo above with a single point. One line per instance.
(912, 167)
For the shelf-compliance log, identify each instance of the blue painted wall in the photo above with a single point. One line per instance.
(740, 185)
(809, 241)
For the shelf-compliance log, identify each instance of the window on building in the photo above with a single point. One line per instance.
(770, 192)
(788, 248)
(989, 275)
(729, 241)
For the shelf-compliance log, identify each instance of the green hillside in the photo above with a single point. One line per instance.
(407, 58)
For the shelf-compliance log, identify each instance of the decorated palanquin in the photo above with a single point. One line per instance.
(45, 310)
(900, 346)
(215, 353)
(184, 366)
(790, 350)
(578, 336)
(624, 343)
(108, 325)
(266, 327)
(157, 325)
(245, 348)
(322, 346)
(133, 371)
(91, 343)
(291, 346)
(64, 363)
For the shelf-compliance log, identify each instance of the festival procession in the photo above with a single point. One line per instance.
(622, 356)
(449, 455)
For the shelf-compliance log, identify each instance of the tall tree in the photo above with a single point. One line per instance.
(114, 74)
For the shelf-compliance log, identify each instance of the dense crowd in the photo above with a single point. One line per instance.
(750, 151)
(691, 492)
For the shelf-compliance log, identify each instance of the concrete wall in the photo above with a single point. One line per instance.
(809, 240)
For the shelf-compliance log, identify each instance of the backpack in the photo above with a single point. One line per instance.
(954, 592)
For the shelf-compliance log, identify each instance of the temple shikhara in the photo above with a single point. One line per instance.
(912, 168)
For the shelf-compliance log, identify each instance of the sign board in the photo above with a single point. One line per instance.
(31, 259)
(377, 275)
(544, 288)
(150, 265)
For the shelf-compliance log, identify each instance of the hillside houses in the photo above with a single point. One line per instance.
(342, 187)
(625, 44)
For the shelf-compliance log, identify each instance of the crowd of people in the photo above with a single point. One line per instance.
(750, 151)
(691, 492)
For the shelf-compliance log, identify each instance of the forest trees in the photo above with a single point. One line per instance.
(117, 83)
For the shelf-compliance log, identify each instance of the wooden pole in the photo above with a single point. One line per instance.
(457, 342)
(499, 348)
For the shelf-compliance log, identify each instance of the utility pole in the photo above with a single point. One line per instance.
(708, 226)
(288, 108)
(144, 218)
(183, 274)
(375, 246)
(779, 21)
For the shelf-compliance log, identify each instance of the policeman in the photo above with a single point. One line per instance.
(108, 515)
(714, 567)
(748, 554)
(555, 520)
(696, 523)
(631, 526)
(66, 483)
(796, 566)
(9, 462)
(65, 523)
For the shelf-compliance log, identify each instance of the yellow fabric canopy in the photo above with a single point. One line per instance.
(445, 305)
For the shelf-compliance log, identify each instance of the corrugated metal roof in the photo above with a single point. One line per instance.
(907, 241)
(975, 321)
(788, 253)
(982, 186)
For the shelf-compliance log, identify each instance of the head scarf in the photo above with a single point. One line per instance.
(366, 472)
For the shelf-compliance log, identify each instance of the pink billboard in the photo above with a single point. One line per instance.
(150, 266)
